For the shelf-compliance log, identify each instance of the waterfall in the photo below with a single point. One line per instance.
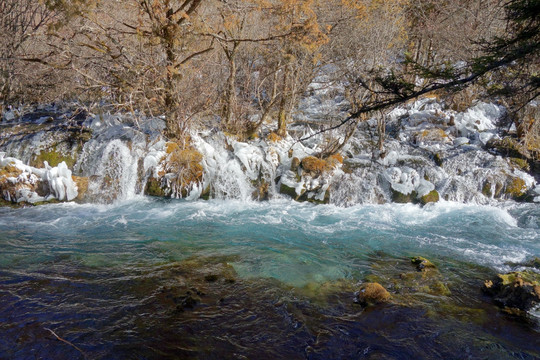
(116, 175)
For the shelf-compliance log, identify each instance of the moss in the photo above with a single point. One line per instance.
(186, 164)
(371, 294)
(432, 135)
(516, 188)
(486, 189)
(433, 196)
(400, 198)
(439, 288)
(287, 190)
(53, 158)
(422, 264)
(153, 188)
(311, 164)
(438, 159)
(526, 276)
(273, 137)
(10, 171)
(170, 147)
(520, 164)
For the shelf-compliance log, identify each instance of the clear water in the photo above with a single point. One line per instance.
(96, 275)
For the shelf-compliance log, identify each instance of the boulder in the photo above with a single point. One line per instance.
(422, 264)
(371, 294)
(515, 290)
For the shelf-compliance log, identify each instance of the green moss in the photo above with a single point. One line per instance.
(433, 196)
(422, 264)
(526, 276)
(153, 188)
(438, 159)
(400, 198)
(287, 190)
(516, 188)
(486, 189)
(520, 164)
(439, 288)
(53, 158)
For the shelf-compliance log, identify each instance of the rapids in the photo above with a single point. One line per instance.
(110, 278)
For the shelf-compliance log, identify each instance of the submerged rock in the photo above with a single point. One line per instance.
(422, 264)
(515, 290)
(372, 294)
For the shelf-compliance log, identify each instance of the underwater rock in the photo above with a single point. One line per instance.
(372, 294)
(515, 290)
(422, 264)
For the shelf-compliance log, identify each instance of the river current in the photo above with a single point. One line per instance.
(152, 278)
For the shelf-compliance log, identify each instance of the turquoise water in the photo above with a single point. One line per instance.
(93, 271)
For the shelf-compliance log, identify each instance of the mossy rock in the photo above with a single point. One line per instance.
(515, 290)
(153, 188)
(401, 198)
(507, 147)
(486, 189)
(516, 189)
(295, 164)
(422, 264)
(305, 197)
(289, 191)
(520, 164)
(438, 159)
(53, 158)
(372, 294)
(431, 197)
(311, 164)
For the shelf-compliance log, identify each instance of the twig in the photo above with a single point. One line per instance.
(65, 341)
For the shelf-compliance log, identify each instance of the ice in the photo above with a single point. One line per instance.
(479, 118)
(57, 180)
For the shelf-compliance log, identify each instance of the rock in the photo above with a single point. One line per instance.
(438, 159)
(371, 294)
(516, 188)
(153, 188)
(401, 198)
(434, 135)
(311, 164)
(287, 190)
(515, 290)
(82, 187)
(432, 196)
(295, 164)
(422, 264)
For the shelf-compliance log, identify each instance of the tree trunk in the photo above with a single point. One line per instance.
(283, 105)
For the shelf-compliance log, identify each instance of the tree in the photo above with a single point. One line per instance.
(20, 21)
(508, 64)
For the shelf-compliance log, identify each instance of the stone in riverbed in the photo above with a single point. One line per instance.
(371, 294)
(515, 290)
(422, 264)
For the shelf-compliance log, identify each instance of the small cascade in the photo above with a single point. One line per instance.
(430, 153)
(117, 174)
(237, 170)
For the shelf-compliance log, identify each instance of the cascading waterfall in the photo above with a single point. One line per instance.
(117, 174)
(428, 148)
